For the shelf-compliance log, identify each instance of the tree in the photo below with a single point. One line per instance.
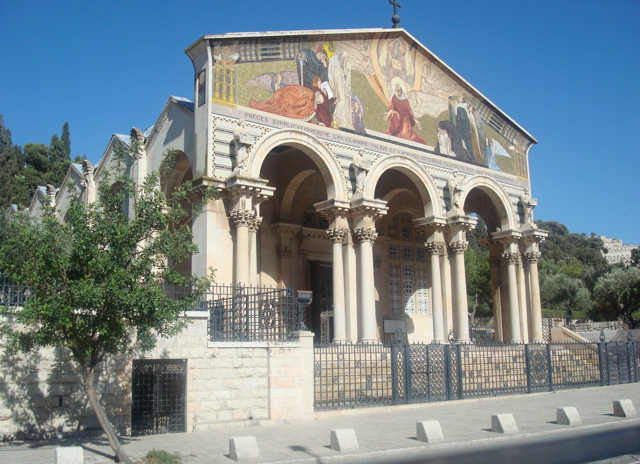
(617, 296)
(97, 280)
(562, 292)
(11, 162)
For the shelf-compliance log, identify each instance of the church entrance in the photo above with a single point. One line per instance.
(320, 316)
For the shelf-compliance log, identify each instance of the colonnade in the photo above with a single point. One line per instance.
(514, 257)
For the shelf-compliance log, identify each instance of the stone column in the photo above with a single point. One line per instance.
(337, 235)
(254, 225)
(511, 259)
(522, 300)
(434, 249)
(366, 236)
(536, 311)
(461, 307)
(494, 263)
(241, 218)
(284, 266)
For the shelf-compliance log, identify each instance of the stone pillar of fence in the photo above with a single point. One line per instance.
(291, 389)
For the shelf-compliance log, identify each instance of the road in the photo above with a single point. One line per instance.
(581, 447)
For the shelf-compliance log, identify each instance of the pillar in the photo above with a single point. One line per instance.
(511, 259)
(494, 263)
(536, 310)
(461, 306)
(366, 236)
(434, 249)
(522, 300)
(337, 235)
(241, 219)
(254, 225)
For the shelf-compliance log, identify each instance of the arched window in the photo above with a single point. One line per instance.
(407, 266)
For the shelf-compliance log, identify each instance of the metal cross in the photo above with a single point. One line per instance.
(395, 19)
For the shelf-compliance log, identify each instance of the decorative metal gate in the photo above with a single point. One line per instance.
(618, 363)
(158, 404)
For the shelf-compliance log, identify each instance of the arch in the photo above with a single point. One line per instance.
(309, 145)
(496, 194)
(421, 178)
(290, 192)
(181, 172)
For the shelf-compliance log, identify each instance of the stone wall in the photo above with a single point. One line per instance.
(41, 393)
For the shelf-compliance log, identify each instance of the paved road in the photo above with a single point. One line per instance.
(380, 431)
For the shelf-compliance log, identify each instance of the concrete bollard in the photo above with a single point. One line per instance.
(568, 416)
(503, 423)
(344, 440)
(624, 408)
(429, 431)
(241, 448)
(70, 455)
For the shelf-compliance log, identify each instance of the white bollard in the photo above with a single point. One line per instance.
(70, 455)
(241, 448)
(429, 431)
(568, 416)
(624, 408)
(503, 423)
(344, 440)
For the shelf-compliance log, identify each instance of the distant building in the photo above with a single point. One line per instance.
(616, 251)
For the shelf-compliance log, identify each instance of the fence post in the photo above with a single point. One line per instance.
(447, 369)
(407, 373)
(550, 366)
(459, 370)
(394, 373)
(606, 360)
(629, 365)
(527, 360)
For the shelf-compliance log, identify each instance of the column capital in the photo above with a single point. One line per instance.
(242, 217)
(283, 252)
(337, 234)
(458, 246)
(365, 234)
(532, 256)
(254, 223)
(511, 257)
(434, 248)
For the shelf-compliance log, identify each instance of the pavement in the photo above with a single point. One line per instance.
(380, 431)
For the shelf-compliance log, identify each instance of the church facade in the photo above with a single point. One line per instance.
(350, 163)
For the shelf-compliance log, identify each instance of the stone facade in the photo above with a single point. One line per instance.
(370, 213)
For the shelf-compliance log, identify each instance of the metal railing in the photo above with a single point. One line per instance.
(11, 294)
(349, 376)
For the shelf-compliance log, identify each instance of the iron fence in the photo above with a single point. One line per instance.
(11, 294)
(350, 376)
(242, 313)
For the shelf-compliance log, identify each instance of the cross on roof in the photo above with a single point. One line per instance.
(395, 19)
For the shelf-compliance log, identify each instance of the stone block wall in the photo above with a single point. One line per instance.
(41, 394)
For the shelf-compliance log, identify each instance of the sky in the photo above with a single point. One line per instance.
(565, 70)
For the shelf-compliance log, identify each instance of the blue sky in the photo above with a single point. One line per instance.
(566, 71)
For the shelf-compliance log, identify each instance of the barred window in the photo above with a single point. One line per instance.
(407, 266)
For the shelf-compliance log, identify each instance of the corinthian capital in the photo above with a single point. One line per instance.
(434, 248)
(242, 217)
(511, 258)
(458, 247)
(365, 234)
(254, 223)
(533, 256)
(336, 234)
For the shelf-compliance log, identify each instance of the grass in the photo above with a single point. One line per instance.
(161, 457)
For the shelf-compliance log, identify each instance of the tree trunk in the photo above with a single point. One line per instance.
(89, 387)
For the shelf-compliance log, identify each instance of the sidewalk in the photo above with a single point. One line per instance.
(380, 431)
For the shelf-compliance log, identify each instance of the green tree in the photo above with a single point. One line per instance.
(563, 292)
(65, 139)
(11, 162)
(617, 296)
(98, 279)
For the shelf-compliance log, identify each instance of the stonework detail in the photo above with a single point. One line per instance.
(365, 234)
(511, 258)
(337, 234)
(532, 256)
(283, 252)
(254, 223)
(242, 217)
(434, 248)
(458, 247)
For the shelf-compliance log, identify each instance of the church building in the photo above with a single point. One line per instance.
(351, 163)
